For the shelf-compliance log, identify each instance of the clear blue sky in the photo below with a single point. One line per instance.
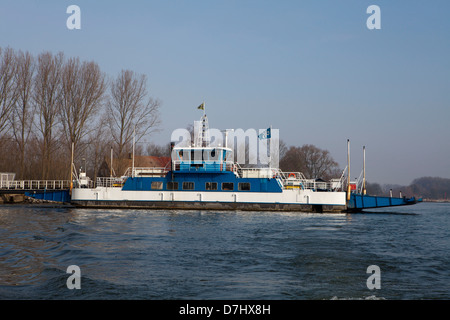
(309, 68)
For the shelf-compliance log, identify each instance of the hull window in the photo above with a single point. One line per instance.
(227, 186)
(244, 186)
(188, 185)
(211, 185)
(172, 185)
(157, 185)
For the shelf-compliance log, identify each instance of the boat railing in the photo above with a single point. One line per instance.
(297, 180)
(36, 185)
(311, 184)
(359, 183)
(204, 166)
(6, 178)
(110, 182)
(146, 172)
(258, 172)
(343, 179)
(84, 183)
(292, 175)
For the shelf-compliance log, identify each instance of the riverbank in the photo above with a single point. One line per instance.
(8, 198)
(437, 201)
(20, 198)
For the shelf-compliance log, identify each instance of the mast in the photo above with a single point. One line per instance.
(364, 171)
(111, 169)
(134, 141)
(205, 131)
(348, 170)
(71, 171)
(202, 139)
(226, 139)
(269, 154)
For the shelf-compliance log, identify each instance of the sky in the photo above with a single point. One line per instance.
(312, 69)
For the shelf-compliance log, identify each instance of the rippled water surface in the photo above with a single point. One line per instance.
(147, 254)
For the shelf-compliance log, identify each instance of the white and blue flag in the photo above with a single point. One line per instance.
(265, 135)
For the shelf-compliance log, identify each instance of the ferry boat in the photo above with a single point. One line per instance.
(203, 176)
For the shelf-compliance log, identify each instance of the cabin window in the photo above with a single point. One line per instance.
(214, 155)
(188, 185)
(157, 185)
(172, 185)
(196, 155)
(211, 185)
(244, 186)
(227, 186)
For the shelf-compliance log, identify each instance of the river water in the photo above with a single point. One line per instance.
(150, 254)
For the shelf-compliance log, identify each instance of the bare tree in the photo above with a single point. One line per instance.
(318, 162)
(99, 147)
(158, 150)
(6, 158)
(82, 91)
(8, 88)
(131, 112)
(50, 102)
(46, 91)
(310, 160)
(283, 149)
(23, 112)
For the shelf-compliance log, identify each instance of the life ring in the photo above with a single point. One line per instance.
(291, 175)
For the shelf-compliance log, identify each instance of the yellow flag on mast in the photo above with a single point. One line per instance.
(201, 107)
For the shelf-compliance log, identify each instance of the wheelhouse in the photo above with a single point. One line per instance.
(201, 159)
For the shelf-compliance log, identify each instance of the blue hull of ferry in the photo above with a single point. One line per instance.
(51, 195)
(202, 182)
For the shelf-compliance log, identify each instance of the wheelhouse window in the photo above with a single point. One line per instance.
(244, 186)
(196, 155)
(172, 185)
(188, 185)
(214, 155)
(157, 185)
(227, 186)
(211, 185)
